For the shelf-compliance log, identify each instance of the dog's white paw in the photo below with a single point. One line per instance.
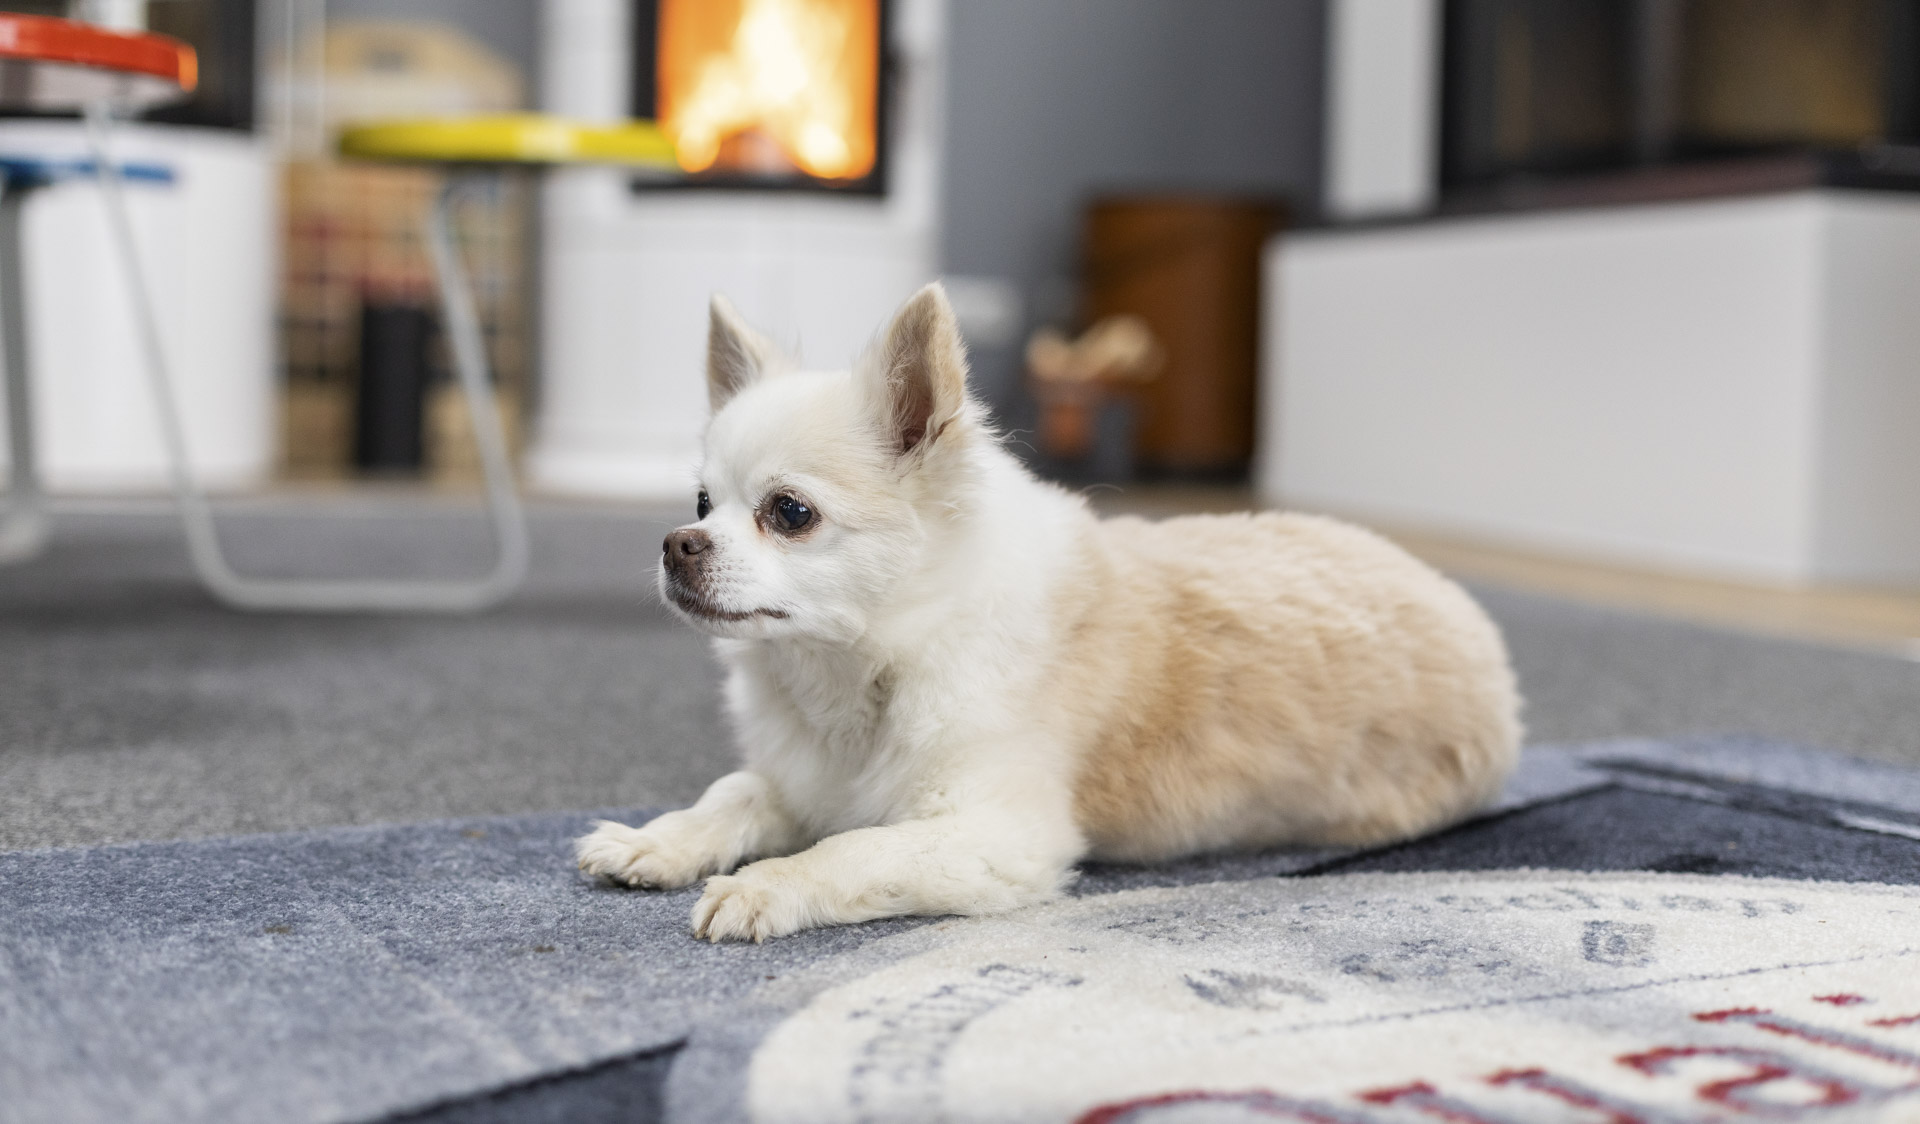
(759, 902)
(638, 857)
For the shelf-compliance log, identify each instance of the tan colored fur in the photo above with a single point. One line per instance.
(1239, 681)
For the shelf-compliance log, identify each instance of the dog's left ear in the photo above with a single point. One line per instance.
(917, 372)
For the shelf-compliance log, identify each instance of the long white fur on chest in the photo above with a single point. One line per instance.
(849, 741)
(820, 725)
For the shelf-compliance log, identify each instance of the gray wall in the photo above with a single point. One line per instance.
(1053, 101)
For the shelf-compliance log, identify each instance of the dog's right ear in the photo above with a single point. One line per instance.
(736, 354)
(918, 371)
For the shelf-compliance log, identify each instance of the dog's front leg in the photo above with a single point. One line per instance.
(739, 817)
(958, 863)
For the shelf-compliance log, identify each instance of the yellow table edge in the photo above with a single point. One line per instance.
(520, 138)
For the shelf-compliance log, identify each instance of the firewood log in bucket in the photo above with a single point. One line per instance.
(1071, 379)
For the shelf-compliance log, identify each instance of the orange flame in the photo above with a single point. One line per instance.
(800, 74)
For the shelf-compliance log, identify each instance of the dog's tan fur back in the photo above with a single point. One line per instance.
(1245, 680)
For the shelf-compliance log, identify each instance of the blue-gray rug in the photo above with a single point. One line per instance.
(463, 971)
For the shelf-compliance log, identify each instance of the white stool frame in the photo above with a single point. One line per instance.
(23, 532)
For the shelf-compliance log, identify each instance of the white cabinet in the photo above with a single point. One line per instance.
(1727, 386)
(208, 243)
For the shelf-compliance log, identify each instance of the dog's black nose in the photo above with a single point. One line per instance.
(685, 544)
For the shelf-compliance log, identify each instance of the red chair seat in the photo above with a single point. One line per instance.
(48, 63)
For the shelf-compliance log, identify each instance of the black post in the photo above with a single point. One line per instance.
(390, 409)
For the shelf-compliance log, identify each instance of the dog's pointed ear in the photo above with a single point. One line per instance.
(736, 354)
(917, 371)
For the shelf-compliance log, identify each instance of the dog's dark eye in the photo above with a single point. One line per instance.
(702, 506)
(790, 514)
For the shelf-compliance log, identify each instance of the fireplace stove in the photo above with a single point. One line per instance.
(766, 95)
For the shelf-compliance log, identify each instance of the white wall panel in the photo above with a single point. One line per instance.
(1868, 504)
(1382, 107)
(1728, 386)
(208, 245)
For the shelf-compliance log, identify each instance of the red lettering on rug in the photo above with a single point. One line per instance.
(1765, 1068)
(1775, 1083)
(1422, 1097)
(1574, 1093)
(1807, 1032)
(1141, 1110)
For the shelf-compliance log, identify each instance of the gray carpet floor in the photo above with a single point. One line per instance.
(134, 708)
(457, 970)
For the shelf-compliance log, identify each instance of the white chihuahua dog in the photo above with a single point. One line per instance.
(951, 682)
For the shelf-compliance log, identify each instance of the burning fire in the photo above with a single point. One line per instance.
(771, 85)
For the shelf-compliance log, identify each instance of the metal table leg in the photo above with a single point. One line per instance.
(469, 360)
(23, 532)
